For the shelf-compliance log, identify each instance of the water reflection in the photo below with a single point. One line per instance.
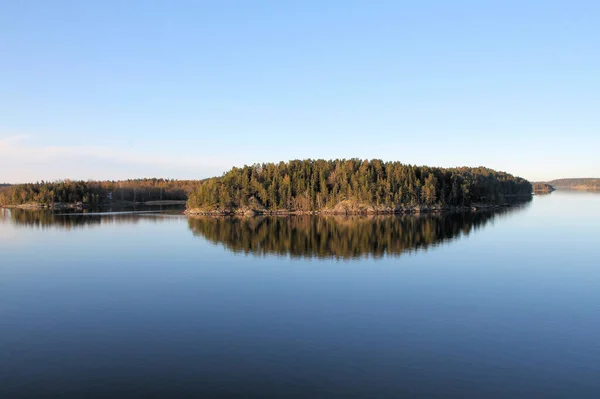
(52, 220)
(342, 237)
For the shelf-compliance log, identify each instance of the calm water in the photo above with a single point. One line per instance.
(503, 305)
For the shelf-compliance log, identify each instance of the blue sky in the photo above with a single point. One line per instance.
(187, 89)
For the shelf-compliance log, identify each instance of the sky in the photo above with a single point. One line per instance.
(188, 89)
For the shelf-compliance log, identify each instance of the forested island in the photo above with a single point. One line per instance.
(576, 183)
(69, 193)
(343, 186)
(542, 188)
(352, 186)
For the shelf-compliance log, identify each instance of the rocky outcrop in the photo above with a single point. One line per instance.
(542, 188)
(341, 208)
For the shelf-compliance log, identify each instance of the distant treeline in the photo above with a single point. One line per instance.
(96, 192)
(583, 184)
(307, 185)
(337, 236)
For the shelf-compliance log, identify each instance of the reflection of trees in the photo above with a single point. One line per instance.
(48, 219)
(338, 236)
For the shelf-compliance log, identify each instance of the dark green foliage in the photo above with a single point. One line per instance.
(96, 192)
(306, 185)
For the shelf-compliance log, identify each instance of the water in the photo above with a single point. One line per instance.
(484, 305)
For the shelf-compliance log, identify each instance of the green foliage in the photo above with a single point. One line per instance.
(306, 185)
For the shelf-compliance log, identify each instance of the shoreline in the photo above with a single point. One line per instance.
(248, 212)
(399, 211)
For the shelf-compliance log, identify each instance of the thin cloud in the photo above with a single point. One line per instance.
(18, 151)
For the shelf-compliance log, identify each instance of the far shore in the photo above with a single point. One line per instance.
(579, 188)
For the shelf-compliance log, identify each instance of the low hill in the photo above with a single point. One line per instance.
(350, 186)
(577, 183)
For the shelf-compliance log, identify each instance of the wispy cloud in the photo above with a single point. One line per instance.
(20, 151)
(7, 141)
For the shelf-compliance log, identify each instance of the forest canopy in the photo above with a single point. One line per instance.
(309, 185)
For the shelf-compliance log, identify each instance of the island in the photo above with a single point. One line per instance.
(353, 186)
(542, 188)
(341, 186)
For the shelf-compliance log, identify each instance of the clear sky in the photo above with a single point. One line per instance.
(187, 89)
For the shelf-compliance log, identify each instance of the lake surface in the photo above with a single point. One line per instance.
(477, 305)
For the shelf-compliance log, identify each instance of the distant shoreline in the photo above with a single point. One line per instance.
(581, 184)
(579, 188)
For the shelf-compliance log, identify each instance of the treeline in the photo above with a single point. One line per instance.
(338, 236)
(308, 185)
(96, 192)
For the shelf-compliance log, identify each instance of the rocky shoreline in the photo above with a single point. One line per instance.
(340, 209)
(417, 209)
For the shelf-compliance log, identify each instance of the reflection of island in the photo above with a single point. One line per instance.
(47, 219)
(338, 236)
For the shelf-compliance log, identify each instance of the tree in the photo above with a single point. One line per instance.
(428, 192)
